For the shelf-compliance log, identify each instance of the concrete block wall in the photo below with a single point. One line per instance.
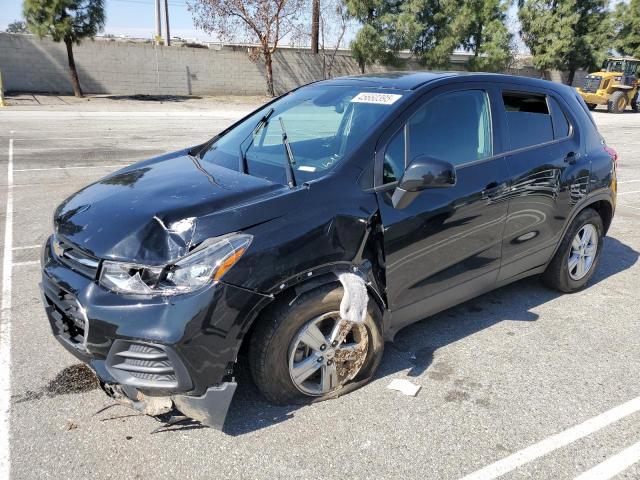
(30, 64)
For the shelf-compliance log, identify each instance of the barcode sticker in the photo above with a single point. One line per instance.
(379, 98)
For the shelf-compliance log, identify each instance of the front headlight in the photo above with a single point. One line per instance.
(617, 79)
(204, 265)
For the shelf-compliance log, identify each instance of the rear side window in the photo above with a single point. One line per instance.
(528, 119)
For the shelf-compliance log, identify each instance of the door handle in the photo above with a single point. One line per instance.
(571, 158)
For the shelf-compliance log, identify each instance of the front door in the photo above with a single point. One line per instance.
(446, 245)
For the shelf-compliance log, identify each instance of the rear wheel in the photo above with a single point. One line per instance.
(617, 102)
(302, 350)
(577, 257)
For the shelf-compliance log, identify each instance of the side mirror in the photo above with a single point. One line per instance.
(422, 173)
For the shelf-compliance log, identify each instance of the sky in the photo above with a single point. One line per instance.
(135, 18)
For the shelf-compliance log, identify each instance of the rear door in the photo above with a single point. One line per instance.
(549, 175)
(446, 244)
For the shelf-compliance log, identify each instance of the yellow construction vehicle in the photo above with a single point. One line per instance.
(615, 85)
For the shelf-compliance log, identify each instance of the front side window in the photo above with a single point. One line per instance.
(454, 126)
(324, 124)
(528, 119)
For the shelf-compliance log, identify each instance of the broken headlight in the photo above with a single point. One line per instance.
(204, 265)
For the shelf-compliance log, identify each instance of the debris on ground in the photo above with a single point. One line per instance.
(71, 425)
(404, 386)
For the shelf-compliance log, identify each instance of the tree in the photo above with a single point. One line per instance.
(382, 34)
(17, 26)
(486, 35)
(627, 27)
(315, 25)
(264, 21)
(68, 21)
(440, 29)
(333, 26)
(566, 34)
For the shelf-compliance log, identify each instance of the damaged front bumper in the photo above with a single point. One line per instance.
(154, 354)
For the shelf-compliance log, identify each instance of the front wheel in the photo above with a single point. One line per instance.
(591, 106)
(617, 102)
(302, 350)
(577, 257)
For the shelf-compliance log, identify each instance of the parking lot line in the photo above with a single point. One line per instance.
(613, 465)
(26, 247)
(73, 167)
(5, 324)
(628, 206)
(26, 263)
(555, 442)
(628, 193)
(628, 181)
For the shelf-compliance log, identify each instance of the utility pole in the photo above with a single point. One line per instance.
(315, 26)
(158, 36)
(167, 37)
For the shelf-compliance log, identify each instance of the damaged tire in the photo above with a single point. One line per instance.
(301, 350)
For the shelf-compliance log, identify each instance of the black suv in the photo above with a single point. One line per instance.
(312, 230)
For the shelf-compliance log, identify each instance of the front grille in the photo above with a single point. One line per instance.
(67, 315)
(146, 365)
(591, 84)
(75, 258)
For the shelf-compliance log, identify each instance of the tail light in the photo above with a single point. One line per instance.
(613, 154)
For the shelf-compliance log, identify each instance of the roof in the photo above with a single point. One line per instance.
(406, 80)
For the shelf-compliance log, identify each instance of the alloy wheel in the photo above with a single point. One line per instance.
(326, 353)
(584, 249)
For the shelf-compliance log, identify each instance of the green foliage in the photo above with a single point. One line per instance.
(432, 30)
(486, 35)
(17, 26)
(368, 46)
(627, 27)
(566, 34)
(440, 30)
(65, 20)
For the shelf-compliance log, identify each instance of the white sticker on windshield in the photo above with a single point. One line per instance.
(379, 98)
(306, 168)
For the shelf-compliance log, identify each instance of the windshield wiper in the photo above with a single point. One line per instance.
(291, 179)
(243, 167)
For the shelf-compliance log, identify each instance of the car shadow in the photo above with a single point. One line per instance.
(414, 347)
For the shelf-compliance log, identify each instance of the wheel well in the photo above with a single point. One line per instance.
(605, 211)
(289, 295)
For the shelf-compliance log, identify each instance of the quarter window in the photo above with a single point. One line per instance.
(560, 123)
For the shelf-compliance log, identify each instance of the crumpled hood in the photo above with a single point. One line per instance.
(152, 212)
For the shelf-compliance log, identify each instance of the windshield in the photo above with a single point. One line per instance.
(625, 66)
(324, 124)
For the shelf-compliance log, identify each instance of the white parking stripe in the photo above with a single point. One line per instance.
(26, 247)
(73, 167)
(5, 324)
(92, 148)
(628, 193)
(613, 465)
(555, 442)
(628, 206)
(629, 181)
(24, 264)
